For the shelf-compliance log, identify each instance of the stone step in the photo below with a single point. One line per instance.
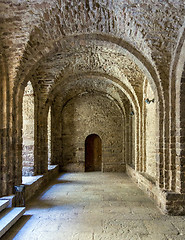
(11, 199)
(9, 217)
(3, 204)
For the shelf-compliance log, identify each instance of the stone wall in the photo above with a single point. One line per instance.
(151, 127)
(92, 113)
(49, 136)
(52, 43)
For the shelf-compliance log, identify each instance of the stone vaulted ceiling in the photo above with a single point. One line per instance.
(39, 40)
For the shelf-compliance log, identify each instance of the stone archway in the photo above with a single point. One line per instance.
(93, 153)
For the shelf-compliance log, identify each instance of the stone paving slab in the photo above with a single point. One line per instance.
(161, 227)
(179, 237)
(154, 236)
(95, 206)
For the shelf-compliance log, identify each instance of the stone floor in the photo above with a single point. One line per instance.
(95, 206)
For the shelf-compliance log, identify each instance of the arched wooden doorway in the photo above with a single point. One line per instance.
(93, 153)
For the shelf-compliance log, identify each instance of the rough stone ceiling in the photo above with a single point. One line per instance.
(90, 84)
(88, 57)
(31, 29)
(98, 86)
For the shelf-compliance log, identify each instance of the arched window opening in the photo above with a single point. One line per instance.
(49, 136)
(28, 131)
(93, 153)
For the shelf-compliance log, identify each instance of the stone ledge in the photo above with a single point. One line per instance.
(149, 187)
(3, 204)
(11, 199)
(34, 183)
(168, 202)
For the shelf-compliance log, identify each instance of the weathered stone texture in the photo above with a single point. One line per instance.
(94, 63)
(151, 126)
(49, 136)
(92, 114)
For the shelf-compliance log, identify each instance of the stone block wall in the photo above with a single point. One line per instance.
(151, 126)
(92, 113)
(49, 136)
(130, 41)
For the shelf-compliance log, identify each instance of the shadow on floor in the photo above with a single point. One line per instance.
(13, 231)
(59, 181)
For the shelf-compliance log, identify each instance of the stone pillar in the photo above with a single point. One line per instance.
(56, 132)
(41, 145)
(49, 135)
(129, 131)
(6, 181)
(180, 138)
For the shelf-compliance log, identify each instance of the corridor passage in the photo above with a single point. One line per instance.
(95, 206)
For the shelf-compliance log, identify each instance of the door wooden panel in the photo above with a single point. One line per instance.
(93, 153)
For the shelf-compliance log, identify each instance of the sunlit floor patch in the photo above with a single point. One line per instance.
(95, 206)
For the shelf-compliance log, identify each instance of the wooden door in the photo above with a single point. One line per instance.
(93, 153)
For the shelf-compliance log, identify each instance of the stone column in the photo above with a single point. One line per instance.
(41, 141)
